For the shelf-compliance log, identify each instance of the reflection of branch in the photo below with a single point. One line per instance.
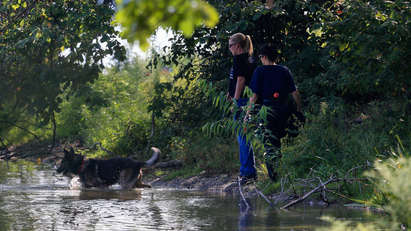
(241, 193)
(17, 126)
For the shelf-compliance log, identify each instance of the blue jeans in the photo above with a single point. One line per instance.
(246, 152)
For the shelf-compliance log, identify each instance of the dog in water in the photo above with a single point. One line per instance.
(103, 173)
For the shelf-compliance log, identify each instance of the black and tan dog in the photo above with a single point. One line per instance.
(103, 173)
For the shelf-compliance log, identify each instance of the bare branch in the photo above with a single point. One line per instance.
(264, 197)
(332, 179)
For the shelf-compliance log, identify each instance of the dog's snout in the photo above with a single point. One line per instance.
(59, 170)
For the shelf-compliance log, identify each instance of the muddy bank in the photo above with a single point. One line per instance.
(39, 152)
(219, 183)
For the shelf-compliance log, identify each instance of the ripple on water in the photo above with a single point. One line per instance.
(38, 199)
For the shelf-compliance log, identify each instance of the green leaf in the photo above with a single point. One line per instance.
(15, 6)
(141, 18)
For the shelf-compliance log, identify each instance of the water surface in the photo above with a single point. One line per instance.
(34, 197)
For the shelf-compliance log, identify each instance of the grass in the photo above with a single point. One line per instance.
(182, 173)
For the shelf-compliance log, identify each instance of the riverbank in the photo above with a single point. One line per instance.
(221, 184)
(226, 184)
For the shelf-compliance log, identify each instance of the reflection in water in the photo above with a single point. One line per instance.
(34, 199)
(245, 219)
(4, 220)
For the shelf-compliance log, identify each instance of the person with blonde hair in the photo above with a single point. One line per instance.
(241, 48)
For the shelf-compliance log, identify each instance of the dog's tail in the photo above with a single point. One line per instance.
(154, 157)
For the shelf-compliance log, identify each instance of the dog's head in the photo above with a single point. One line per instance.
(70, 164)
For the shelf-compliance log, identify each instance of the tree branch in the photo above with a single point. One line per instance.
(102, 148)
(264, 197)
(21, 14)
(332, 179)
(22, 128)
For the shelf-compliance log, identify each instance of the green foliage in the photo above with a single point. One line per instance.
(349, 59)
(268, 186)
(140, 19)
(364, 51)
(328, 69)
(70, 118)
(131, 95)
(338, 225)
(183, 173)
(389, 178)
(114, 111)
(212, 154)
(225, 126)
(47, 48)
(333, 143)
(352, 50)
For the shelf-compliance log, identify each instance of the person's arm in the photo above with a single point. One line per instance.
(253, 100)
(297, 99)
(239, 88)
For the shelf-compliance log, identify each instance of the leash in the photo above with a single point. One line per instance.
(81, 167)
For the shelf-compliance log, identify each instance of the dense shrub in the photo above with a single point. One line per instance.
(389, 180)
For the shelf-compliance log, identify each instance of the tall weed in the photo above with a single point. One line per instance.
(391, 180)
(334, 141)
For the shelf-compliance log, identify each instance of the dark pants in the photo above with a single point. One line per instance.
(274, 130)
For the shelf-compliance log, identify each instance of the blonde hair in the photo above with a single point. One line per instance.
(244, 41)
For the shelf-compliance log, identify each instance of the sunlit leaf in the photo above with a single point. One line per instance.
(140, 18)
(15, 6)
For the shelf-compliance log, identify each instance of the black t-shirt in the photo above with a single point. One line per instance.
(241, 67)
(272, 83)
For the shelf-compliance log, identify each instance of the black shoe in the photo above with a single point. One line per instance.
(247, 179)
(271, 171)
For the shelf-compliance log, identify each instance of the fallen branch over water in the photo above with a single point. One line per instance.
(322, 185)
(264, 197)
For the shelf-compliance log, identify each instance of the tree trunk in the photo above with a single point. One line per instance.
(53, 121)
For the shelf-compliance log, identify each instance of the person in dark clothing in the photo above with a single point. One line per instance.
(272, 85)
(241, 48)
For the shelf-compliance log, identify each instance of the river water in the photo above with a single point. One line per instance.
(34, 197)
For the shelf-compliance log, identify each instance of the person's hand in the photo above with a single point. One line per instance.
(228, 97)
(247, 117)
